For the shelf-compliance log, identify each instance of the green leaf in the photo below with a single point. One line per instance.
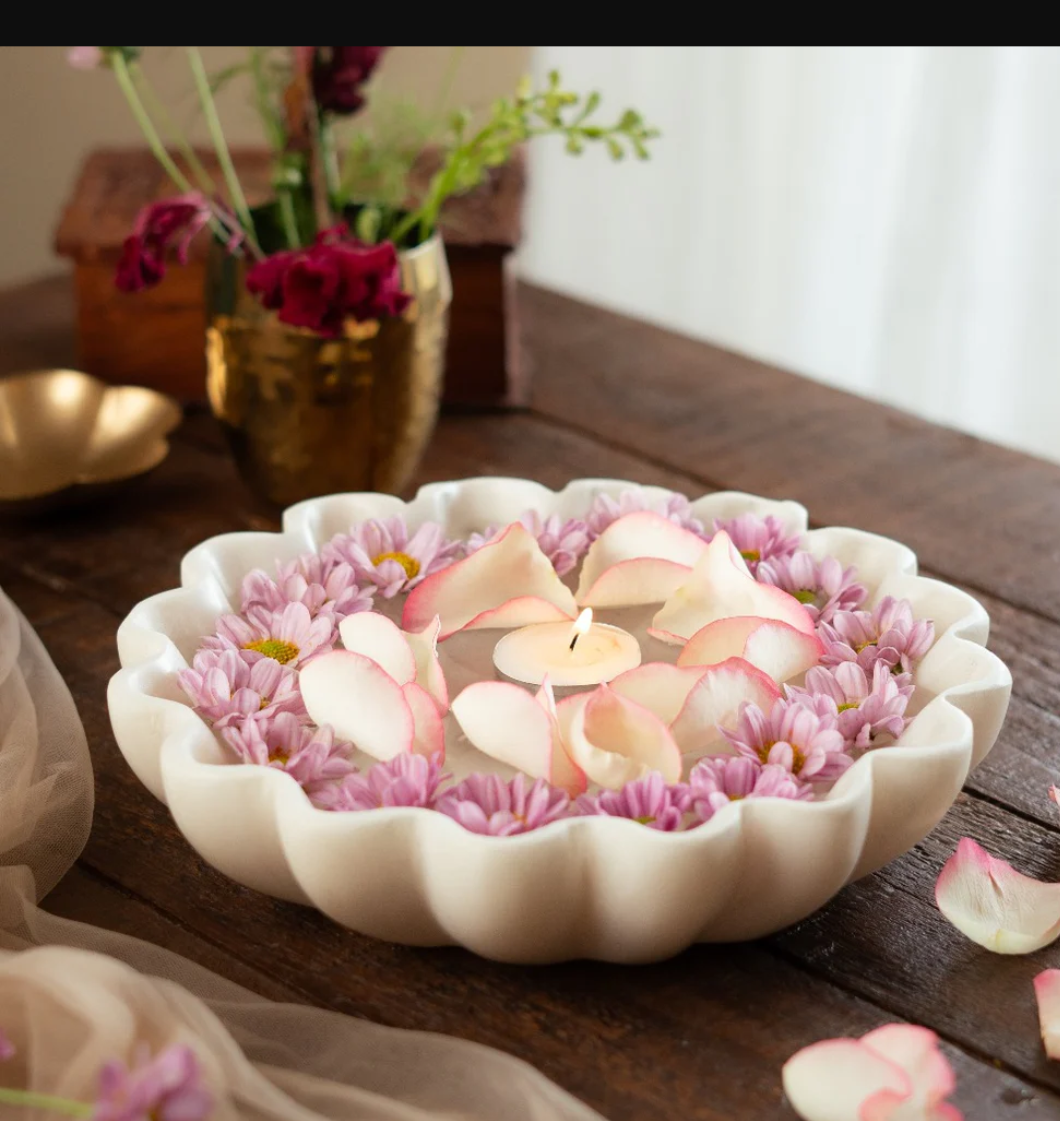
(221, 78)
(368, 223)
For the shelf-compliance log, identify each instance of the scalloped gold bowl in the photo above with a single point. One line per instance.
(64, 431)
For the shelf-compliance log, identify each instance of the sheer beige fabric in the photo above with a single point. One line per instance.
(74, 996)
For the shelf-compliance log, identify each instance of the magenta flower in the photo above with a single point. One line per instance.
(806, 743)
(563, 542)
(759, 539)
(224, 686)
(488, 804)
(160, 226)
(324, 587)
(383, 553)
(605, 510)
(865, 707)
(85, 58)
(720, 779)
(823, 586)
(405, 780)
(339, 75)
(290, 636)
(887, 634)
(166, 1088)
(648, 800)
(311, 756)
(7, 1048)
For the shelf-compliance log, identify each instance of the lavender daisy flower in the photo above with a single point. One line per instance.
(224, 687)
(383, 554)
(605, 510)
(405, 780)
(720, 779)
(488, 804)
(311, 756)
(648, 800)
(166, 1088)
(806, 743)
(564, 543)
(759, 539)
(290, 636)
(823, 586)
(887, 634)
(324, 587)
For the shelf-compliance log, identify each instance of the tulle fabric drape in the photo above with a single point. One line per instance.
(73, 996)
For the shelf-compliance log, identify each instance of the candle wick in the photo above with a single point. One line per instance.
(574, 640)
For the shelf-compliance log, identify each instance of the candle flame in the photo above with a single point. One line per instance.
(581, 625)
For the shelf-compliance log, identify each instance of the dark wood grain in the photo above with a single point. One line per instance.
(704, 1035)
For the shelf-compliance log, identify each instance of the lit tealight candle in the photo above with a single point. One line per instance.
(587, 653)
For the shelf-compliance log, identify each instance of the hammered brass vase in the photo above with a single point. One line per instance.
(307, 415)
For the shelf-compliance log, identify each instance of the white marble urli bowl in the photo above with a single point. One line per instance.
(589, 887)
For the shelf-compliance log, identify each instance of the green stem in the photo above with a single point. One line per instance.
(329, 158)
(287, 215)
(213, 123)
(46, 1101)
(177, 137)
(269, 119)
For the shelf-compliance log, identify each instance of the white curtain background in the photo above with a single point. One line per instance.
(886, 220)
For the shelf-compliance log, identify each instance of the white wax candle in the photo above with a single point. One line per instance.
(600, 653)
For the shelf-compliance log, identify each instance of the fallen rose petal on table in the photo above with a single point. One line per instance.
(996, 906)
(1047, 993)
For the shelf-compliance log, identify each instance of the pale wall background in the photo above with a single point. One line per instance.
(52, 115)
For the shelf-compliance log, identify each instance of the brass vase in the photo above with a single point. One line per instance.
(307, 415)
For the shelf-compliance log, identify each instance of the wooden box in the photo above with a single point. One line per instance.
(155, 338)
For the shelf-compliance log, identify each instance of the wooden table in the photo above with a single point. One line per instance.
(703, 1035)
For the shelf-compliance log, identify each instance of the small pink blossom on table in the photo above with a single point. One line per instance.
(805, 743)
(895, 1073)
(649, 800)
(225, 687)
(384, 554)
(759, 539)
(290, 636)
(161, 226)
(166, 1088)
(888, 633)
(7, 1048)
(405, 780)
(311, 756)
(721, 779)
(85, 58)
(865, 706)
(486, 803)
(605, 510)
(822, 586)
(323, 587)
(563, 542)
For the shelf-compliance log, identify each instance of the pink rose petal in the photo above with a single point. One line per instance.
(996, 906)
(776, 648)
(720, 586)
(640, 558)
(473, 590)
(615, 741)
(658, 686)
(362, 702)
(716, 700)
(428, 729)
(1047, 992)
(424, 647)
(376, 637)
(916, 1051)
(518, 612)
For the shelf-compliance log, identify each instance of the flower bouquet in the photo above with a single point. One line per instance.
(327, 304)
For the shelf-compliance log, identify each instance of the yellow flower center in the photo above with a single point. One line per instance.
(849, 705)
(798, 759)
(279, 756)
(283, 652)
(804, 595)
(864, 646)
(409, 564)
(647, 819)
(750, 554)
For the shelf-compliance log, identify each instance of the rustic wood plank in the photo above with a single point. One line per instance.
(978, 513)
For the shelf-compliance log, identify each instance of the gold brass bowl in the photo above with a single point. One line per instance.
(63, 432)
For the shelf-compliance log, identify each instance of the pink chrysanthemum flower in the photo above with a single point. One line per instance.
(864, 707)
(808, 744)
(887, 634)
(166, 1088)
(488, 804)
(311, 756)
(648, 800)
(405, 780)
(324, 587)
(823, 586)
(383, 554)
(720, 779)
(759, 539)
(224, 687)
(564, 543)
(290, 636)
(605, 510)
